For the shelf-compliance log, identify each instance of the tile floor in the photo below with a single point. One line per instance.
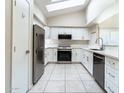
(66, 78)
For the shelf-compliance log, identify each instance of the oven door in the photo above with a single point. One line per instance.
(64, 55)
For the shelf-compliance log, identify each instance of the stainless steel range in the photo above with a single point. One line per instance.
(64, 54)
(64, 50)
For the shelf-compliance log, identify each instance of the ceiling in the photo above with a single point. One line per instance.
(42, 6)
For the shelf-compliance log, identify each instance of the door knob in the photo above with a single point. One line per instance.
(27, 51)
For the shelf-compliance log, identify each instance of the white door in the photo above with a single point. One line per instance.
(20, 46)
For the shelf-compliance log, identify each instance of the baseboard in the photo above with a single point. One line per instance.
(87, 70)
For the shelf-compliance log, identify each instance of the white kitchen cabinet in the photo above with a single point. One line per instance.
(80, 34)
(55, 55)
(111, 75)
(88, 60)
(114, 37)
(64, 31)
(54, 33)
(51, 55)
(85, 34)
(110, 36)
(47, 32)
(76, 55)
(77, 33)
(46, 56)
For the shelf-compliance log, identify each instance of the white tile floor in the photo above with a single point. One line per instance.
(66, 78)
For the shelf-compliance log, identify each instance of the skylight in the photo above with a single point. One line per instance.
(56, 0)
(64, 5)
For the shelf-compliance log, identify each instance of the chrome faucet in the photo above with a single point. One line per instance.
(99, 38)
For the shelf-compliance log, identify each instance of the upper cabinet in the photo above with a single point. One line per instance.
(109, 30)
(77, 33)
(80, 34)
(54, 33)
(47, 32)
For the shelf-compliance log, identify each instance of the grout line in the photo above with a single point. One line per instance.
(49, 78)
(81, 80)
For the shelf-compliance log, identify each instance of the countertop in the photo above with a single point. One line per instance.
(63, 48)
(108, 53)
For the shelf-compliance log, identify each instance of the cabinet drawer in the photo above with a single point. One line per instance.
(112, 63)
(112, 76)
(110, 88)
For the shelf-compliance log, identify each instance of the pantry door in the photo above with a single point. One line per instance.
(20, 46)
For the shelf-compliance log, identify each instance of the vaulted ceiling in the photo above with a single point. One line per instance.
(43, 3)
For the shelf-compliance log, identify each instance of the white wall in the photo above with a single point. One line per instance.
(39, 15)
(37, 21)
(108, 12)
(76, 19)
(96, 7)
(111, 22)
(109, 30)
(93, 30)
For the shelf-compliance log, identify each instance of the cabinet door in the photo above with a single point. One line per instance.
(114, 37)
(20, 37)
(105, 34)
(50, 55)
(83, 57)
(47, 32)
(74, 55)
(88, 60)
(46, 56)
(84, 61)
(79, 55)
(55, 55)
(77, 34)
(91, 62)
(111, 75)
(54, 33)
(85, 33)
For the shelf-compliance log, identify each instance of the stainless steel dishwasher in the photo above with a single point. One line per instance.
(99, 68)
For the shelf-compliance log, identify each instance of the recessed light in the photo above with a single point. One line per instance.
(64, 5)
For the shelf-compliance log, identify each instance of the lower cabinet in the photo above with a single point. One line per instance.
(50, 55)
(88, 61)
(46, 56)
(76, 55)
(111, 75)
(111, 71)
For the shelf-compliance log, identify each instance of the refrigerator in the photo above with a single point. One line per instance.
(38, 52)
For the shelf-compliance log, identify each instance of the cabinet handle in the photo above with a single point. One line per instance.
(113, 63)
(111, 75)
(111, 90)
(27, 51)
